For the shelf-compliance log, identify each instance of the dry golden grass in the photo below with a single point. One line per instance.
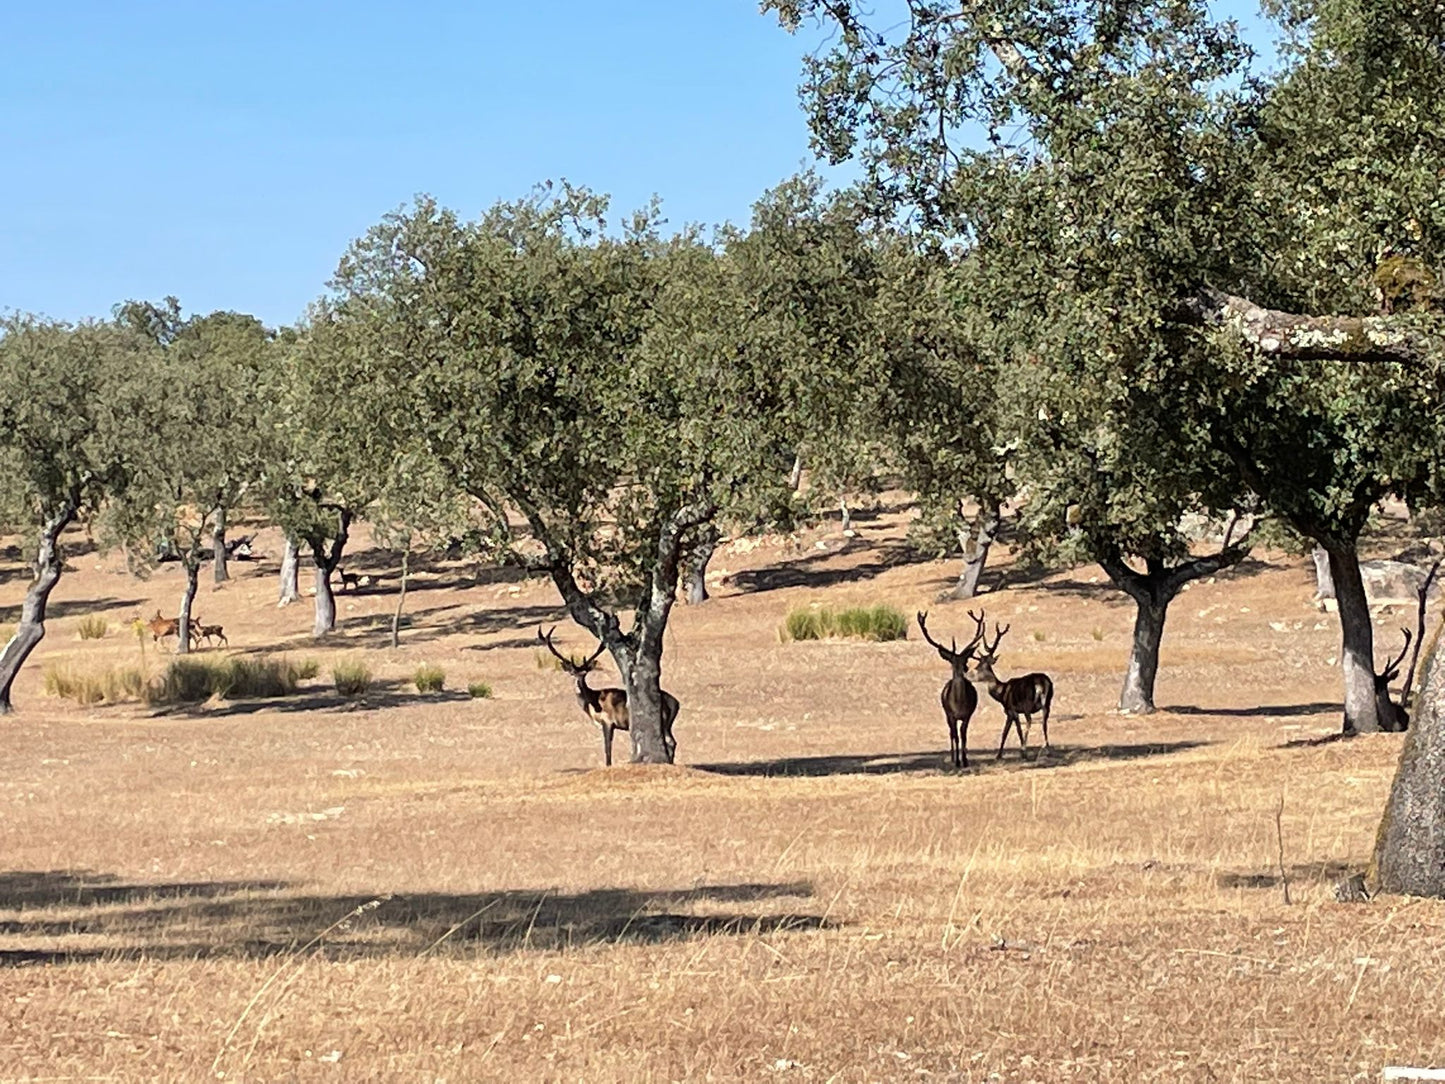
(414, 887)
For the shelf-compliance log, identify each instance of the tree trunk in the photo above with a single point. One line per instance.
(48, 564)
(1324, 586)
(847, 515)
(1137, 697)
(218, 546)
(1410, 844)
(702, 552)
(1357, 641)
(183, 627)
(645, 701)
(325, 603)
(975, 555)
(290, 588)
(400, 601)
(795, 476)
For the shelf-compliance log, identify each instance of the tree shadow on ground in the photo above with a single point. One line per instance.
(1058, 756)
(1262, 711)
(391, 693)
(1317, 872)
(376, 631)
(250, 920)
(55, 611)
(810, 572)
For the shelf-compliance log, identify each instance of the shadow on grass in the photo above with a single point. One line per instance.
(1058, 756)
(1318, 873)
(259, 919)
(1263, 711)
(9, 615)
(375, 631)
(811, 572)
(391, 693)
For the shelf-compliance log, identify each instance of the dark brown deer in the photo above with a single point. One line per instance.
(1392, 716)
(608, 707)
(1024, 696)
(210, 633)
(350, 581)
(959, 698)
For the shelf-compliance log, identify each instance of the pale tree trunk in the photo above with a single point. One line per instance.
(1137, 697)
(401, 600)
(975, 555)
(795, 476)
(1410, 844)
(1357, 641)
(48, 564)
(644, 699)
(1324, 586)
(290, 588)
(183, 628)
(325, 603)
(697, 563)
(847, 515)
(218, 547)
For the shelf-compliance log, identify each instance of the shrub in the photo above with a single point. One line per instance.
(429, 678)
(479, 690)
(93, 627)
(351, 678)
(110, 685)
(859, 623)
(191, 680)
(307, 669)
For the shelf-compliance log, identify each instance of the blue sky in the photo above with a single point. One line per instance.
(227, 153)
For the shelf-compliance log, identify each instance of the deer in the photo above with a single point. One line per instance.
(1392, 716)
(608, 707)
(210, 632)
(959, 698)
(349, 580)
(1024, 696)
(161, 627)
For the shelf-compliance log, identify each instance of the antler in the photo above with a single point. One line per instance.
(923, 628)
(991, 649)
(569, 664)
(1392, 671)
(978, 619)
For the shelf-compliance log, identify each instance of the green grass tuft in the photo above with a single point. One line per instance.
(479, 690)
(192, 680)
(93, 627)
(429, 678)
(110, 685)
(351, 678)
(307, 669)
(878, 623)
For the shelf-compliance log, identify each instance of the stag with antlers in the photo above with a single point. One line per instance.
(607, 707)
(1393, 716)
(1021, 696)
(959, 698)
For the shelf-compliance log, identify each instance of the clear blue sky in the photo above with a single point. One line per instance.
(226, 153)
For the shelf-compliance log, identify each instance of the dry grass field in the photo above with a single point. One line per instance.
(429, 887)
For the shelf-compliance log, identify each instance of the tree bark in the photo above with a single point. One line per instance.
(218, 546)
(327, 555)
(644, 699)
(1324, 586)
(975, 555)
(702, 551)
(401, 600)
(1137, 696)
(795, 476)
(1410, 844)
(49, 561)
(1357, 641)
(183, 628)
(290, 588)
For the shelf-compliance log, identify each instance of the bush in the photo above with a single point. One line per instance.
(307, 669)
(479, 690)
(877, 623)
(429, 678)
(191, 680)
(93, 627)
(111, 685)
(351, 678)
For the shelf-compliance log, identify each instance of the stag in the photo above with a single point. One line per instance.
(161, 627)
(1026, 696)
(608, 707)
(959, 698)
(1392, 716)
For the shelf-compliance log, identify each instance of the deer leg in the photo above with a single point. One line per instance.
(607, 744)
(1024, 734)
(1008, 721)
(1046, 726)
(953, 746)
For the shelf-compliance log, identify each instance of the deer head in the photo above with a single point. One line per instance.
(952, 655)
(570, 665)
(1392, 716)
(983, 664)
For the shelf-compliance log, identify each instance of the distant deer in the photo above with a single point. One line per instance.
(211, 632)
(1392, 716)
(349, 580)
(1024, 696)
(959, 698)
(608, 707)
(162, 627)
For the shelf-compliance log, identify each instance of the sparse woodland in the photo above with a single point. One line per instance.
(1099, 297)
